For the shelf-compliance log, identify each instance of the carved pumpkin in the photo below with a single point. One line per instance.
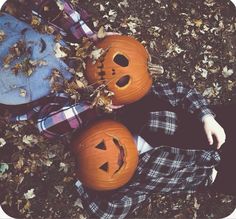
(123, 68)
(106, 154)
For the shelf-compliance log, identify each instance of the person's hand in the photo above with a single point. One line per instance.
(213, 128)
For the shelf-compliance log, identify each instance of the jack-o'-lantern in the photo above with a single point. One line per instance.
(106, 155)
(123, 68)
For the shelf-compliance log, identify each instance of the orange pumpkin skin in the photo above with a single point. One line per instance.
(102, 164)
(112, 67)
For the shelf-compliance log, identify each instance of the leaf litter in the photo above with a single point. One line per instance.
(187, 41)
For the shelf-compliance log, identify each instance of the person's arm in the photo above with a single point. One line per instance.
(60, 14)
(213, 128)
(178, 94)
(164, 169)
(59, 122)
(65, 16)
(118, 205)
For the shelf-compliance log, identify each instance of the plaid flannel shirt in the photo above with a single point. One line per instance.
(69, 21)
(177, 94)
(53, 119)
(162, 169)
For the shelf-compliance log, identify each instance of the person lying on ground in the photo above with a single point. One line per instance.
(170, 166)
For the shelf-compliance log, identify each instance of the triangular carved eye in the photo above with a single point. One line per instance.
(101, 146)
(104, 167)
(121, 60)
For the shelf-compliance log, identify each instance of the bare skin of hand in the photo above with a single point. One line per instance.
(213, 129)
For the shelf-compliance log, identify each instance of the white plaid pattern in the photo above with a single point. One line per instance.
(163, 120)
(164, 169)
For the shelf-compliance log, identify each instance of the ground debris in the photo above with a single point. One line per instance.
(187, 41)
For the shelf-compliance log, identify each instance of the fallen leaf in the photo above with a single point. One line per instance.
(29, 139)
(101, 33)
(19, 164)
(102, 8)
(80, 84)
(96, 54)
(29, 194)
(112, 15)
(48, 163)
(60, 5)
(124, 4)
(2, 142)
(27, 206)
(3, 167)
(59, 53)
(22, 92)
(35, 21)
(198, 22)
(78, 203)
(2, 35)
(227, 72)
(68, 179)
(196, 205)
(60, 189)
(64, 167)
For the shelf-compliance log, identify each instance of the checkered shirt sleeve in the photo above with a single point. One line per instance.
(52, 102)
(78, 18)
(56, 116)
(162, 169)
(178, 94)
(68, 20)
(163, 120)
(61, 121)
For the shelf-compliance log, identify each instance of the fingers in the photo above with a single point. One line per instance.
(210, 138)
(220, 138)
(213, 128)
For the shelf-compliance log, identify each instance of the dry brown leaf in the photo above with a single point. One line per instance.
(198, 22)
(60, 189)
(2, 35)
(58, 49)
(35, 22)
(27, 206)
(80, 84)
(22, 92)
(101, 33)
(2, 142)
(19, 164)
(29, 194)
(96, 54)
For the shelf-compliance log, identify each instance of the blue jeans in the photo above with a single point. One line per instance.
(19, 88)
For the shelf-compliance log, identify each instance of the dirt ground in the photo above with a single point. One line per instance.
(190, 41)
